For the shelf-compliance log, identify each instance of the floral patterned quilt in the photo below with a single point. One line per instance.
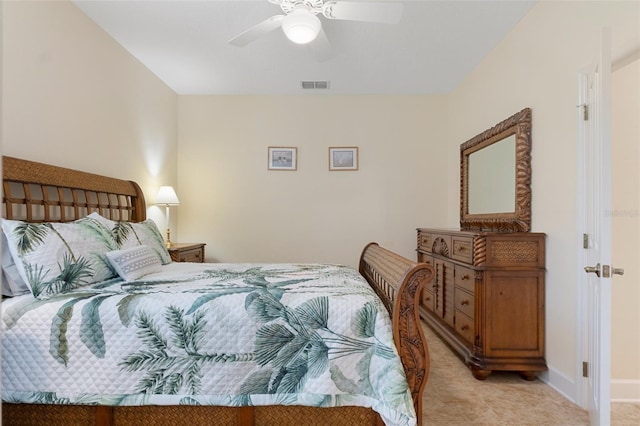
(209, 334)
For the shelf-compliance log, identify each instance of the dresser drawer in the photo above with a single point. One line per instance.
(427, 299)
(464, 327)
(187, 253)
(193, 255)
(425, 259)
(424, 241)
(464, 302)
(465, 278)
(462, 249)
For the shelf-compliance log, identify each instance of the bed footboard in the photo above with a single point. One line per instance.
(398, 281)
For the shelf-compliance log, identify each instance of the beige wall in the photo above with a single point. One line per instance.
(74, 97)
(1, 75)
(625, 222)
(246, 213)
(536, 65)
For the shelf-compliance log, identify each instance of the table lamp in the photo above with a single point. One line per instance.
(167, 197)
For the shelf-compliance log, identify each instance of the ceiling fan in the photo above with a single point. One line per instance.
(301, 25)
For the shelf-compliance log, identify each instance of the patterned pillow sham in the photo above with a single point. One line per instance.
(134, 234)
(54, 258)
(134, 262)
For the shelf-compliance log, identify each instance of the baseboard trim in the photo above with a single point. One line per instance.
(562, 383)
(621, 390)
(625, 390)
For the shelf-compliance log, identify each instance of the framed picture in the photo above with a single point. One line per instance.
(343, 158)
(283, 158)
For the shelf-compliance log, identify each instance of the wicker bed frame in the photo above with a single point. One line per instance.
(38, 192)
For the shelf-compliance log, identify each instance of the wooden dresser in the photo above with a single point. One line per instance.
(487, 298)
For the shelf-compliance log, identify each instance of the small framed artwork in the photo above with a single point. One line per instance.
(283, 158)
(343, 158)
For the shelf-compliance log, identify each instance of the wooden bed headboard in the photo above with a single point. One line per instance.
(38, 192)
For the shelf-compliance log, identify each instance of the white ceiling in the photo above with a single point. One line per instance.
(184, 43)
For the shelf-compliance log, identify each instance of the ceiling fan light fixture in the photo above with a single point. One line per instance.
(301, 26)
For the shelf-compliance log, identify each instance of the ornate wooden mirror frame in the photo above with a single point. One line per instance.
(518, 220)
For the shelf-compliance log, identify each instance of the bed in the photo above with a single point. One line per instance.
(317, 334)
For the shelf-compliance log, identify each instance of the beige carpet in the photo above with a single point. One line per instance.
(454, 397)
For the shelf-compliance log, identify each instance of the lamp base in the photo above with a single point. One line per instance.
(168, 243)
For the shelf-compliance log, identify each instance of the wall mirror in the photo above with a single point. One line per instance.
(495, 177)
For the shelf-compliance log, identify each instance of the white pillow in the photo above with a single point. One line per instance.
(134, 234)
(53, 258)
(12, 283)
(134, 262)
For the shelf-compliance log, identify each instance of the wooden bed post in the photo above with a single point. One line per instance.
(104, 415)
(245, 416)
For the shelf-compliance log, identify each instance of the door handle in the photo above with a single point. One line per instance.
(593, 269)
(608, 271)
(617, 271)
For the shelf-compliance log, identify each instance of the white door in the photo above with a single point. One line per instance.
(595, 188)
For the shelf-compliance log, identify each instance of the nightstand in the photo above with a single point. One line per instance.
(187, 252)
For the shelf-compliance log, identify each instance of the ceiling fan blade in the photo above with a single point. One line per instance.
(257, 31)
(380, 12)
(321, 48)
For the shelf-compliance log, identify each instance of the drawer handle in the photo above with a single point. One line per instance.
(461, 248)
(464, 302)
(427, 299)
(464, 327)
(464, 277)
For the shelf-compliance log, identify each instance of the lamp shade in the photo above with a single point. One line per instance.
(167, 196)
(301, 26)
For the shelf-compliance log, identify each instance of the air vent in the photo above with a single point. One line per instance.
(315, 84)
